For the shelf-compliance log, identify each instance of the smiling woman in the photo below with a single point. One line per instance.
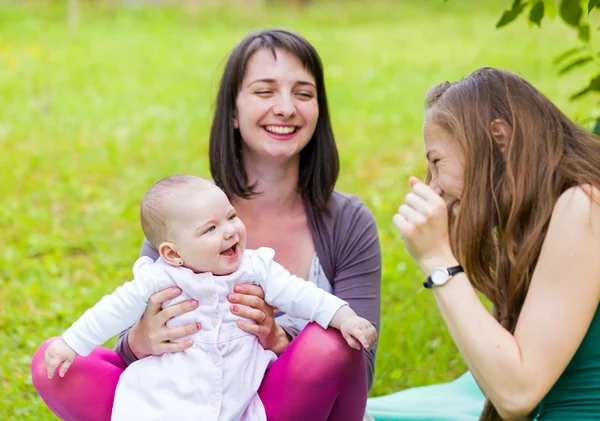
(527, 235)
(271, 117)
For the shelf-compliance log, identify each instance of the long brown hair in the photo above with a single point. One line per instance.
(509, 193)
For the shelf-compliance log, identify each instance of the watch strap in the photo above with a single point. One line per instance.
(453, 270)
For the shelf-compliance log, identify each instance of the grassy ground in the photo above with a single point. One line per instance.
(89, 119)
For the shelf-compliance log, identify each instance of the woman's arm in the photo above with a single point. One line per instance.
(357, 275)
(516, 371)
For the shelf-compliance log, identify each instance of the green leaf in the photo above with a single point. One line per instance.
(566, 54)
(550, 8)
(591, 5)
(596, 129)
(577, 63)
(584, 33)
(511, 14)
(593, 86)
(570, 12)
(537, 13)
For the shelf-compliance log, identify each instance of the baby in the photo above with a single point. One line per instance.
(201, 243)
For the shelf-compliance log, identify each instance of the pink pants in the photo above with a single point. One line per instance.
(318, 378)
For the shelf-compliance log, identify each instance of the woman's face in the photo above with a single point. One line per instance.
(276, 108)
(446, 163)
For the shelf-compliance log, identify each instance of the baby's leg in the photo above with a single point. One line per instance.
(87, 391)
(318, 378)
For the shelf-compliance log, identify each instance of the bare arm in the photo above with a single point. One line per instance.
(516, 371)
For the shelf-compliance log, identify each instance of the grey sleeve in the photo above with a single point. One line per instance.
(122, 345)
(357, 277)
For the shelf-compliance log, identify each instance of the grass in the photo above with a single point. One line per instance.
(91, 118)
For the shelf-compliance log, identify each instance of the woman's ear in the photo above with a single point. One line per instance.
(501, 133)
(236, 125)
(169, 253)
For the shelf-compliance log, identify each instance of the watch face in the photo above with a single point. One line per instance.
(439, 276)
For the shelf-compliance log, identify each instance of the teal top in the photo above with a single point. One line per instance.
(576, 394)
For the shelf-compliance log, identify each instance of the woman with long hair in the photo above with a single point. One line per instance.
(511, 209)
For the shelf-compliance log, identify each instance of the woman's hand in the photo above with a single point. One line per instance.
(151, 336)
(270, 335)
(423, 223)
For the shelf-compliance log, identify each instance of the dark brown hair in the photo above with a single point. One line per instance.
(509, 194)
(319, 162)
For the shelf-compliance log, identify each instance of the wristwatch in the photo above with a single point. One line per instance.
(440, 275)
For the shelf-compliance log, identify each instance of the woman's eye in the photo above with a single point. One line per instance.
(264, 92)
(305, 95)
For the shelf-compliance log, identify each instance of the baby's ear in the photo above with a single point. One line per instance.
(169, 253)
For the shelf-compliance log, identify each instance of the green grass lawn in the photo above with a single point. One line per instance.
(90, 119)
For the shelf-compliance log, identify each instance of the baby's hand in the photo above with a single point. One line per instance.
(58, 352)
(358, 329)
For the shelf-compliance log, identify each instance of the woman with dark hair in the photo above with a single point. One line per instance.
(273, 152)
(512, 210)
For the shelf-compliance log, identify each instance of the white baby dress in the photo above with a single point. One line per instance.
(218, 377)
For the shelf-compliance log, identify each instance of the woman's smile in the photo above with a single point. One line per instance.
(281, 131)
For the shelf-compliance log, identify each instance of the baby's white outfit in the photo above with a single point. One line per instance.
(217, 379)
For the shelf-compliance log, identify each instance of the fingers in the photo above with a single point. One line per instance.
(64, 367)
(156, 299)
(172, 333)
(249, 313)
(351, 341)
(253, 301)
(174, 310)
(52, 364)
(259, 330)
(426, 192)
(370, 334)
(250, 289)
(413, 181)
(361, 337)
(403, 225)
(366, 334)
(418, 203)
(411, 215)
(167, 347)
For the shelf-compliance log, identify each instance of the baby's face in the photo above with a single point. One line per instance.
(207, 232)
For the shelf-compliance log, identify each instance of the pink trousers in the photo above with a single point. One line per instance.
(318, 378)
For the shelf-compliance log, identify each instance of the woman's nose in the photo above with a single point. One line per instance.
(284, 107)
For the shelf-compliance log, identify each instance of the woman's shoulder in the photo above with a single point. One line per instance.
(347, 219)
(341, 203)
(577, 201)
(576, 213)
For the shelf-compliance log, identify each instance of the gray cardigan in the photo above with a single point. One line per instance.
(347, 245)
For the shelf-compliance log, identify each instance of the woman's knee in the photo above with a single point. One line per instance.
(328, 348)
(39, 374)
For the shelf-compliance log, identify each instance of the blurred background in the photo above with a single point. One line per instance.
(99, 99)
